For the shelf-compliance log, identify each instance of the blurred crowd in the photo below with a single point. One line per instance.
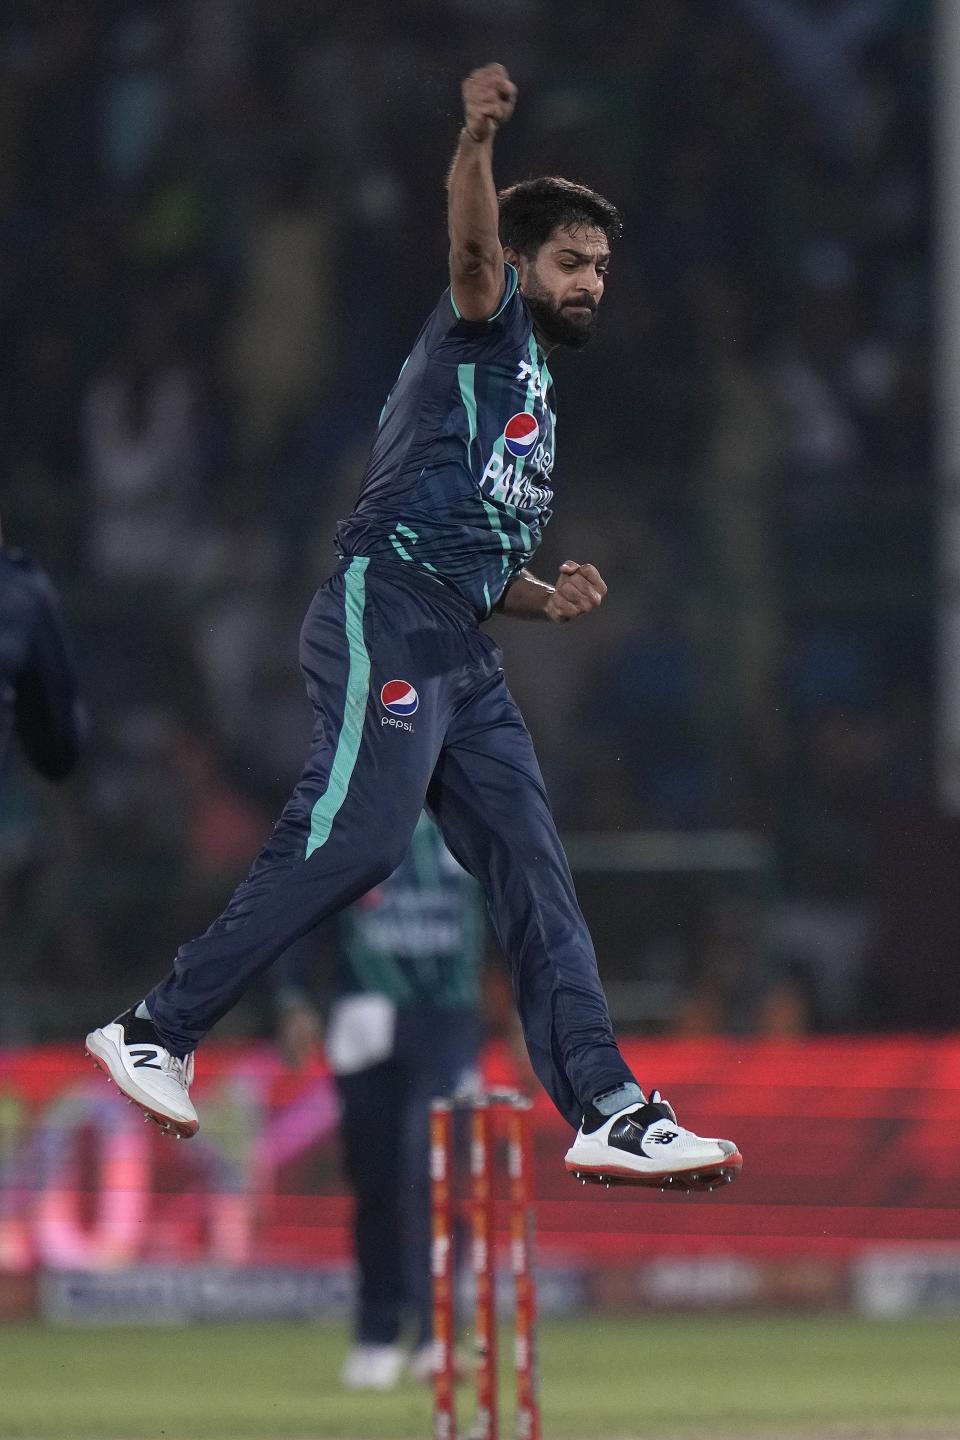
(221, 226)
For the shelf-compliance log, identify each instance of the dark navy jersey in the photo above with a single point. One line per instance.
(458, 481)
(38, 685)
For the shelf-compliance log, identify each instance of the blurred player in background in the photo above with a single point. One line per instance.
(39, 695)
(403, 1026)
(408, 691)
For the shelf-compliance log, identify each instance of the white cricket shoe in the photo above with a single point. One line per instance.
(643, 1144)
(129, 1051)
(422, 1362)
(420, 1366)
(372, 1367)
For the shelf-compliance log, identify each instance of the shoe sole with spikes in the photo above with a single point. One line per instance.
(98, 1050)
(702, 1179)
(644, 1144)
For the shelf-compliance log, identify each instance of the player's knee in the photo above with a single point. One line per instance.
(389, 855)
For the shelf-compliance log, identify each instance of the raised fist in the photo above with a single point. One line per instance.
(489, 96)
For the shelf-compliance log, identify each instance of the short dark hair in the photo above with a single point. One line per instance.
(533, 209)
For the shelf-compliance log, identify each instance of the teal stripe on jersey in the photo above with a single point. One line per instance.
(493, 516)
(524, 530)
(354, 709)
(534, 354)
(532, 350)
(466, 375)
(403, 552)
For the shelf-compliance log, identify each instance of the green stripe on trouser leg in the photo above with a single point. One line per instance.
(354, 709)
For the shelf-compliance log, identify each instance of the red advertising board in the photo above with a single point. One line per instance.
(846, 1142)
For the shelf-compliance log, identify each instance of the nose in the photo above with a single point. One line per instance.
(593, 285)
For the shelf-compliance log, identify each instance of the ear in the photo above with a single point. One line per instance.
(518, 261)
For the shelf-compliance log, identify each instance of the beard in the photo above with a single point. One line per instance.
(558, 324)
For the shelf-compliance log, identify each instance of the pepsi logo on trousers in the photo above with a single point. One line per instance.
(399, 697)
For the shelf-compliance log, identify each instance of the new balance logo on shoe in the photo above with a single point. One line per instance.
(646, 1145)
(146, 1059)
(665, 1137)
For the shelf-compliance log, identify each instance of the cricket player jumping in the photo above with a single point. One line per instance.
(408, 692)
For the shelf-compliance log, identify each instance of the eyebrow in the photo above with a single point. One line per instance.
(602, 258)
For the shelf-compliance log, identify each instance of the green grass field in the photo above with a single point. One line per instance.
(603, 1380)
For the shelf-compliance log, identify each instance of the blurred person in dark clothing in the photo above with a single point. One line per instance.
(39, 697)
(402, 1026)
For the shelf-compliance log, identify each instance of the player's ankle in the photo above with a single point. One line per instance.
(608, 1102)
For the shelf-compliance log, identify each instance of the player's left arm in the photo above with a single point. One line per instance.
(579, 589)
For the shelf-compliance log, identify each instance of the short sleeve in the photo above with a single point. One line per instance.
(509, 322)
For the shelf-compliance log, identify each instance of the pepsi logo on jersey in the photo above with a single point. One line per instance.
(520, 434)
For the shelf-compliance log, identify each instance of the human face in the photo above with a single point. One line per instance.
(563, 284)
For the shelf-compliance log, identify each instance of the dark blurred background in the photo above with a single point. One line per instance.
(221, 226)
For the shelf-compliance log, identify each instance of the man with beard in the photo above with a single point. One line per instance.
(409, 697)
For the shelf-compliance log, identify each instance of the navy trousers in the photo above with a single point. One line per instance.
(385, 1139)
(411, 706)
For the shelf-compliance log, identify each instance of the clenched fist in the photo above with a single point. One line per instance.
(579, 589)
(489, 96)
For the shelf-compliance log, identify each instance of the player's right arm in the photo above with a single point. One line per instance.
(476, 258)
